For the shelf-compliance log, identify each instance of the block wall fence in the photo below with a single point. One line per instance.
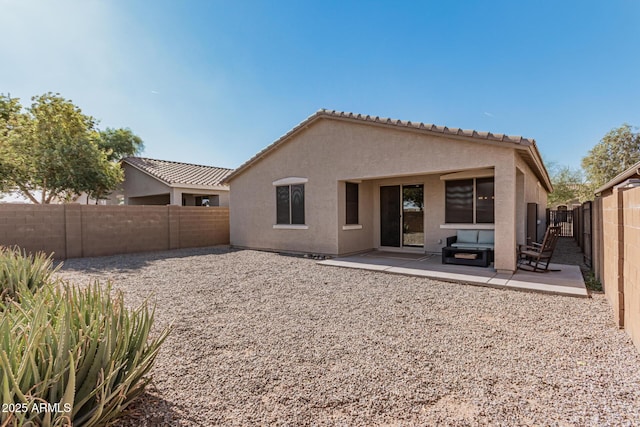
(616, 255)
(75, 231)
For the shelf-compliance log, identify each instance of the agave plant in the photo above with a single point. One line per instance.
(18, 268)
(72, 355)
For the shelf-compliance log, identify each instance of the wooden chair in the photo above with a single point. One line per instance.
(536, 256)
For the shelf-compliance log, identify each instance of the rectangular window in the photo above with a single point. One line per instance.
(470, 201)
(459, 201)
(352, 190)
(484, 201)
(283, 210)
(297, 204)
(290, 204)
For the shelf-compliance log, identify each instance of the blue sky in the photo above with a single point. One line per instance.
(213, 82)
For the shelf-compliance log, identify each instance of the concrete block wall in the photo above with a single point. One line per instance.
(612, 255)
(109, 230)
(73, 231)
(631, 264)
(617, 256)
(33, 227)
(198, 226)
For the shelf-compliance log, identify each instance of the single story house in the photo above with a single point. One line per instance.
(163, 182)
(341, 183)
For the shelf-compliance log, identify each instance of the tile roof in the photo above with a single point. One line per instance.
(180, 173)
(632, 172)
(403, 124)
(422, 126)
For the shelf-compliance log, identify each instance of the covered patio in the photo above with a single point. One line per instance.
(567, 281)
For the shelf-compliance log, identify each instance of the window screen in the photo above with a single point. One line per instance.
(297, 204)
(352, 203)
(484, 200)
(282, 205)
(290, 204)
(459, 201)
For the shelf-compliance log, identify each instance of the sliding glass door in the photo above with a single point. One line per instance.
(413, 215)
(402, 215)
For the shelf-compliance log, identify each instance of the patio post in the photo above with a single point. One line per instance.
(505, 215)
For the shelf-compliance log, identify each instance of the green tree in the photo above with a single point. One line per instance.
(119, 143)
(116, 144)
(9, 122)
(568, 186)
(617, 151)
(53, 150)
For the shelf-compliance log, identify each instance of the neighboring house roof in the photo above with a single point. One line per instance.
(534, 160)
(632, 172)
(180, 174)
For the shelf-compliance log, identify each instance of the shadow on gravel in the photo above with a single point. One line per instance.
(135, 261)
(150, 409)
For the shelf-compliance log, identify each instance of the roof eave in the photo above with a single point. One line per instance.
(146, 172)
(633, 170)
(543, 174)
(216, 187)
(387, 123)
(271, 147)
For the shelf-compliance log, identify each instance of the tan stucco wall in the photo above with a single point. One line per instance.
(533, 193)
(138, 184)
(356, 240)
(190, 194)
(330, 152)
(159, 199)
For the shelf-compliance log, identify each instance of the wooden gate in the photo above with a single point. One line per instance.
(562, 218)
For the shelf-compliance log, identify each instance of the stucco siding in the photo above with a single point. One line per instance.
(332, 151)
(253, 203)
(141, 189)
(533, 193)
(189, 195)
(353, 239)
(139, 184)
(159, 199)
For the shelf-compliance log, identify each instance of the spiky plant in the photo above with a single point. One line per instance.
(78, 350)
(19, 268)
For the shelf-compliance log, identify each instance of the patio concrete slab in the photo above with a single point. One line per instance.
(566, 281)
(341, 262)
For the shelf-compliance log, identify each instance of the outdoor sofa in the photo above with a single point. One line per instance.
(469, 247)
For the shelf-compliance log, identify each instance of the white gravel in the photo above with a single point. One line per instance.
(266, 339)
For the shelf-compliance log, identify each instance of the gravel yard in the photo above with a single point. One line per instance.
(261, 338)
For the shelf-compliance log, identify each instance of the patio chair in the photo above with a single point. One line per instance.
(536, 256)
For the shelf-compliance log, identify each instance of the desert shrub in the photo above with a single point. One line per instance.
(17, 268)
(592, 282)
(73, 355)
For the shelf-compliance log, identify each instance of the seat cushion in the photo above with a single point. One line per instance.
(486, 236)
(472, 245)
(467, 236)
